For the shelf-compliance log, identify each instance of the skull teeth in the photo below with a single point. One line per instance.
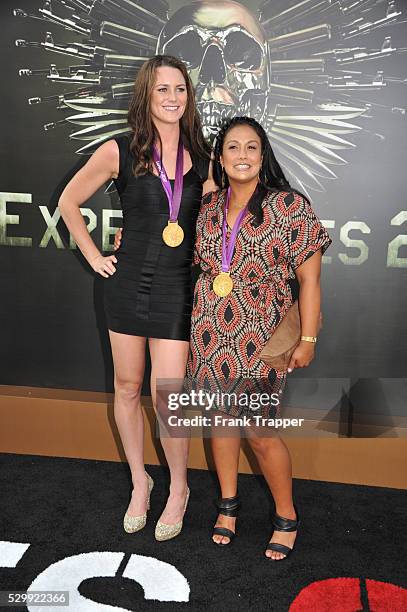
(213, 113)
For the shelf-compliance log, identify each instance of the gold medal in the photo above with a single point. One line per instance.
(223, 284)
(173, 234)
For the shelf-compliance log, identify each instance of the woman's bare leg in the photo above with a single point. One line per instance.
(275, 462)
(226, 452)
(129, 362)
(168, 363)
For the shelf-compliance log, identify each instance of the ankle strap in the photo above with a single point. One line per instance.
(284, 524)
(228, 505)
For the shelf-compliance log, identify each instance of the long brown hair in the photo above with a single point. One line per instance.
(141, 122)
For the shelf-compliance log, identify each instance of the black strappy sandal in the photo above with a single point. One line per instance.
(228, 506)
(283, 524)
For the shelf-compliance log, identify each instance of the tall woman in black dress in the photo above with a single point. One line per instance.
(148, 283)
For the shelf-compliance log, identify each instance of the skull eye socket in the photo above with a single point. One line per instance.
(187, 47)
(242, 52)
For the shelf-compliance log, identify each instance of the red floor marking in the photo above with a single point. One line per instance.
(386, 597)
(343, 595)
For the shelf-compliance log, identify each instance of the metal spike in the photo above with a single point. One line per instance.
(300, 38)
(127, 35)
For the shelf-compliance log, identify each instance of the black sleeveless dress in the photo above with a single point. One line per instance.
(150, 294)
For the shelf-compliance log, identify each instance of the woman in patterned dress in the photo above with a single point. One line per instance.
(279, 234)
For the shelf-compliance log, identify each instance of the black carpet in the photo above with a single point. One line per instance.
(352, 538)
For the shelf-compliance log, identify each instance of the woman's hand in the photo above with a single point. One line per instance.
(117, 239)
(302, 356)
(104, 265)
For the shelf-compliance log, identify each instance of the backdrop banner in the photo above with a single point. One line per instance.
(327, 81)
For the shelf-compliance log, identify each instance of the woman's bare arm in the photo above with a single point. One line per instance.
(309, 304)
(102, 166)
(309, 301)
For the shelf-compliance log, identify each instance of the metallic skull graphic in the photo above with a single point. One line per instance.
(307, 70)
(225, 50)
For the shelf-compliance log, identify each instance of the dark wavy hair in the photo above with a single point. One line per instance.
(141, 122)
(271, 176)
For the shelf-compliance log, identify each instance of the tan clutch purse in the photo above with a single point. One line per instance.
(278, 350)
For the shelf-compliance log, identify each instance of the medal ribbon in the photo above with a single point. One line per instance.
(174, 198)
(229, 245)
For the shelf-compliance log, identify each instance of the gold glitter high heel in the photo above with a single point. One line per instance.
(131, 524)
(167, 532)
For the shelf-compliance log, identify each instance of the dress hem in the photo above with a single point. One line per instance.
(150, 329)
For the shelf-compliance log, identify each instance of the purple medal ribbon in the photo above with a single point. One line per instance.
(228, 246)
(174, 198)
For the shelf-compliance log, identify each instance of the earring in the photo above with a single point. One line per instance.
(223, 178)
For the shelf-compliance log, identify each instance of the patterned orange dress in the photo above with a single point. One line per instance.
(228, 333)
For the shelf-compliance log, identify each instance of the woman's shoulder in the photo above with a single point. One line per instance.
(120, 146)
(117, 146)
(124, 136)
(123, 141)
(210, 200)
(286, 203)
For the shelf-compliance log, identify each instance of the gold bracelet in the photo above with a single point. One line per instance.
(309, 338)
